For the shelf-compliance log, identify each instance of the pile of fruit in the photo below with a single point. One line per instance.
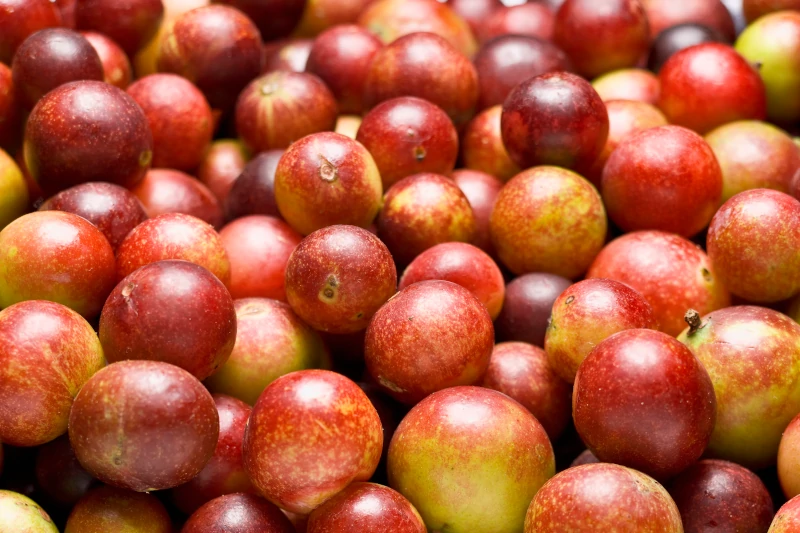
(399, 266)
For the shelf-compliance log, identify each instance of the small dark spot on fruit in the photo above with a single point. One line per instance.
(328, 293)
(570, 300)
(706, 275)
(360, 315)
(419, 153)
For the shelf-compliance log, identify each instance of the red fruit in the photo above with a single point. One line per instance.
(267, 116)
(664, 178)
(87, 131)
(787, 519)
(143, 425)
(117, 69)
(59, 475)
(47, 353)
(431, 336)
(112, 509)
(320, 15)
(483, 148)
(341, 57)
(474, 12)
(21, 18)
(274, 18)
(238, 513)
(754, 9)
(67, 10)
(56, 256)
(788, 459)
(311, 434)
(672, 273)
(164, 191)
(709, 85)
(663, 14)
(554, 119)
(179, 117)
(642, 399)
(290, 55)
(10, 119)
(130, 23)
(531, 19)
(676, 38)
(481, 190)
(253, 192)
(222, 163)
(527, 307)
(427, 66)
(628, 84)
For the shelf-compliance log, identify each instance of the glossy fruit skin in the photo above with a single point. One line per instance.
(117, 69)
(311, 434)
(664, 178)
(14, 196)
(106, 138)
(732, 344)
(787, 518)
(171, 311)
(628, 84)
(108, 508)
(481, 190)
(719, 494)
(751, 242)
(679, 37)
(586, 314)
(424, 65)
(603, 496)
(672, 273)
(274, 18)
(521, 371)
(531, 19)
(20, 513)
(164, 191)
(215, 47)
(221, 165)
(474, 12)
(258, 247)
(662, 14)
(130, 23)
(615, 34)
(702, 98)
(10, 113)
(523, 229)
(428, 325)
(463, 438)
(118, 425)
(238, 513)
(253, 191)
(320, 15)
(409, 135)
(49, 58)
(642, 399)
(21, 18)
(483, 148)
(56, 256)
(290, 55)
(48, 352)
(788, 459)
(59, 476)
(554, 119)
(271, 341)
(527, 307)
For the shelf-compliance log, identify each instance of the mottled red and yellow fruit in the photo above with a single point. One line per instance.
(325, 179)
(238, 513)
(164, 190)
(481, 190)
(57, 256)
(117, 68)
(271, 341)
(222, 163)
(319, 15)
(311, 434)
(14, 196)
(753, 357)
(603, 497)
(143, 426)
(109, 508)
(455, 444)
(548, 219)
(10, 112)
(586, 314)
(635, 84)
(789, 459)
(47, 353)
(431, 336)
(787, 519)
(20, 513)
(662, 14)
(21, 18)
(483, 148)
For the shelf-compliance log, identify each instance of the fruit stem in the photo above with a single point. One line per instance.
(692, 318)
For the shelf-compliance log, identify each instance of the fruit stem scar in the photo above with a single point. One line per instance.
(692, 318)
(327, 171)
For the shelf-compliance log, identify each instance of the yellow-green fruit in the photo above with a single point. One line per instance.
(13, 191)
(19, 514)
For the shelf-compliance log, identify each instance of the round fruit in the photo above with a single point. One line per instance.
(238, 513)
(628, 84)
(527, 307)
(20, 513)
(112, 509)
(676, 38)
(483, 148)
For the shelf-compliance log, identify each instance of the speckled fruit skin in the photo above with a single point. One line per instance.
(531, 19)
(113, 209)
(19, 513)
(754, 155)
(481, 190)
(143, 425)
(474, 12)
(14, 195)
(431, 336)
(753, 241)
(603, 497)
(753, 357)
(320, 15)
(109, 508)
(259, 248)
(49, 58)
(421, 211)
(463, 264)
(483, 148)
(713, 494)
(165, 191)
(179, 117)
(222, 163)
(117, 69)
(548, 219)
(311, 434)
(424, 65)
(506, 61)
(253, 192)
(527, 307)
(455, 444)
(662, 14)
(47, 353)
(10, 113)
(554, 119)
(586, 314)
(615, 34)
(238, 513)
(171, 311)
(87, 131)
(392, 19)
(367, 508)
(325, 179)
(224, 473)
(59, 476)
(521, 371)
(338, 277)
(279, 108)
(21, 18)
(409, 135)
(274, 18)
(788, 459)
(787, 518)
(271, 341)
(215, 47)
(676, 38)
(628, 84)
(130, 23)
(56, 256)
(642, 399)
(702, 98)
(664, 178)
